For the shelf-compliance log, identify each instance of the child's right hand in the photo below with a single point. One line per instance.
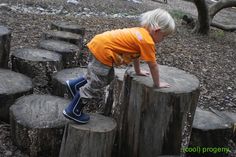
(164, 85)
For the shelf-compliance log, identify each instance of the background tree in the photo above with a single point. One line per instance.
(207, 13)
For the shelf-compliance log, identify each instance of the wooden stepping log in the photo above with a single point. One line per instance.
(211, 129)
(64, 36)
(37, 124)
(70, 53)
(152, 119)
(12, 86)
(94, 139)
(5, 41)
(36, 63)
(59, 80)
(68, 27)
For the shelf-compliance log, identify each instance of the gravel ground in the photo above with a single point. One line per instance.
(211, 58)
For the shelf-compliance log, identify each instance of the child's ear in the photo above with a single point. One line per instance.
(157, 29)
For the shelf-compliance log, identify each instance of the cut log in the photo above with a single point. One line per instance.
(70, 53)
(37, 124)
(5, 41)
(211, 129)
(59, 80)
(12, 86)
(64, 36)
(94, 139)
(152, 119)
(68, 27)
(37, 64)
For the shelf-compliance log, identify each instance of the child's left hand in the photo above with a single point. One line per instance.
(143, 73)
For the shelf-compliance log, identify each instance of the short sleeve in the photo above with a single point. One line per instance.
(148, 52)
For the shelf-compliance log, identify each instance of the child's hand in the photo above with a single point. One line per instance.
(143, 73)
(164, 85)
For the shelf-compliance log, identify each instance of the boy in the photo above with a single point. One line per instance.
(114, 48)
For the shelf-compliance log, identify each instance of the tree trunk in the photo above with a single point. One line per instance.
(37, 124)
(59, 80)
(64, 36)
(5, 41)
(36, 63)
(94, 139)
(151, 119)
(203, 24)
(71, 54)
(211, 129)
(68, 27)
(12, 86)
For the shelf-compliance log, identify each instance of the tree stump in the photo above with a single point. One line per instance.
(12, 86)
(5, 42)
(152, 119)
(211, 129)
(37, 124)
(64, 36)
(37, 64)
(70, 53)
(59, 80)
(68, 27)
(94, 139)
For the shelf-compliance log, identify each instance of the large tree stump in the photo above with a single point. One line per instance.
(94, 139)
(64, 36)
(37, 124)
(36, 63)
(12, 86)
(59, 80)
(5, 41)
(70, 53)
(211, 129)
(68, 27)
(152, 119)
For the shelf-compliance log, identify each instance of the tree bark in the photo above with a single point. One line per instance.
(151, 119)
(71, 54)
(12, 86)
(203, 24)
(59, 80)
(94, 139)
(5, 42)
(68, 27)
(36, 63)
(37, 124)
(64, 36)
(211, 129)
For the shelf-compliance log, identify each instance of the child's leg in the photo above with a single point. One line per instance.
(98, 76)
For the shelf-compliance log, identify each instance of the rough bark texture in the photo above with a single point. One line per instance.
(151, 119)
(203, 24)
(37, 64)
(94, 139)
(70, 53)
(12, 86)
(68, 27)
(37, 124)
(64, 36)
(59, 80)
(5, 41)
(211, 129)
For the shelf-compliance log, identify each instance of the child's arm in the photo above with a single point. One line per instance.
(154, 69)
(137, 69)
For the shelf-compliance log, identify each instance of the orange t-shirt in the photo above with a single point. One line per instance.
(121, 46)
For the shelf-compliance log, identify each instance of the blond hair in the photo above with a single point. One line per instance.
(158, 18)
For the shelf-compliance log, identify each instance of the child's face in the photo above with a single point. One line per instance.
(158, 36)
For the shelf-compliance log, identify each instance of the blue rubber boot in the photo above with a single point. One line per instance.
(74, 85)
(74, 110)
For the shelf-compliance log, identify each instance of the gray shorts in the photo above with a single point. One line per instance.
(98, 76)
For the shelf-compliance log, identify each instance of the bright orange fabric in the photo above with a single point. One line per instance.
(121, 46)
